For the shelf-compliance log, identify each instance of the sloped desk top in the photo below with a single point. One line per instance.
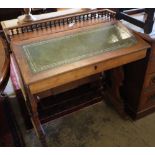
(49, 61)
(55, 52)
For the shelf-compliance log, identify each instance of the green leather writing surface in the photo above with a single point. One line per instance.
(67, 49)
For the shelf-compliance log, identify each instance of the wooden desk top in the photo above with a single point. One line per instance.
(58, 50)
(51, 77)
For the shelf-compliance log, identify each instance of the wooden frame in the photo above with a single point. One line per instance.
(86, 67)
(35, 84)
(5, 65)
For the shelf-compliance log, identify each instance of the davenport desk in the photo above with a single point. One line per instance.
(55, 52)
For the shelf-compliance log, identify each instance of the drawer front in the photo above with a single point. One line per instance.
(151, 66)
(147, 100)
(150, 81)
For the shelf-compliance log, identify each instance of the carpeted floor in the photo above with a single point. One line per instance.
(96, 125)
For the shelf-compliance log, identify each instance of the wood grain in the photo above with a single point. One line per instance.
(140, 101)
(4, 65)
(77, 70)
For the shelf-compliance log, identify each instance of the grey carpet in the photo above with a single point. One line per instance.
(96, 125)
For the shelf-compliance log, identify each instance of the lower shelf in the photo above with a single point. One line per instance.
(56, 106)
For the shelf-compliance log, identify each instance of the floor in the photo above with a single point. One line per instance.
(96, 125)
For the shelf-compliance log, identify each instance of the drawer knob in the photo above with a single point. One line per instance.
(95, 67)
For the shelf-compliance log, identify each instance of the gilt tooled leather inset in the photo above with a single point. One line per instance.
(59, 51)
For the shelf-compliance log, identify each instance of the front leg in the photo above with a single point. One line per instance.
(35, 118)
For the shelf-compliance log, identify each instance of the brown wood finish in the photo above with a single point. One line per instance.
(35, 84)
(63, 103)
(57, 22)
(69, 86)
(147, 100)
(150, 81)
(113, 82)
(4, 65)
(140, 88)
(83, 72)
(35, 117)
(80, 69)
(151, 68)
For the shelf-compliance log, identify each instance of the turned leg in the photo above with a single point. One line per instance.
(35, 118)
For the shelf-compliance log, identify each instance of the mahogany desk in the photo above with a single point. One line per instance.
(52, 57)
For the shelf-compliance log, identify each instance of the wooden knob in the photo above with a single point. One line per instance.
(95, 67)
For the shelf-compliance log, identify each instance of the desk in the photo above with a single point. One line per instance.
(47, 60)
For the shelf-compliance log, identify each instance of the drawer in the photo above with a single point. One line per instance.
(147, 100)
(149, 81)
(151, 66)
